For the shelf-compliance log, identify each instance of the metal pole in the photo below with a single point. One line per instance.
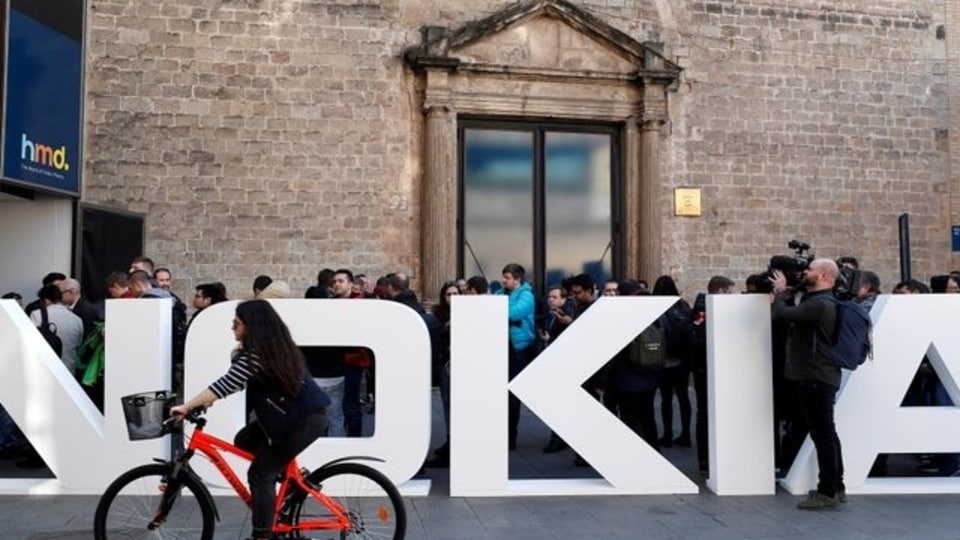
(904, 222)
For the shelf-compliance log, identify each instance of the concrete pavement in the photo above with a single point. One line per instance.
(560, 518)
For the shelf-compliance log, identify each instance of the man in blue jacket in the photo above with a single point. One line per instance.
(522, 333)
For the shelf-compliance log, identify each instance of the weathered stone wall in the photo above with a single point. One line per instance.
(281, 136)
(802, 121)
(271, 137)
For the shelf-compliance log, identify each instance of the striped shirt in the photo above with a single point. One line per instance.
(244, 366)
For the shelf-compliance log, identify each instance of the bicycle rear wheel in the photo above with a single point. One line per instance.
(133, 505)
(370, 500)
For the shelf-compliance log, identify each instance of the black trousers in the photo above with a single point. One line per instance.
(637, 412)
(269, 461)
(352, 410)
(518, 361)
(816, 403)
(675, 380)
(702, 429)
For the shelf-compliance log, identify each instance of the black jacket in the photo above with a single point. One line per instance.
(620, 374)
(409, 299)
(89, 313)
(810, 333)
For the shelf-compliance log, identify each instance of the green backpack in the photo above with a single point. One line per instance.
(90, 356)
(648, 351)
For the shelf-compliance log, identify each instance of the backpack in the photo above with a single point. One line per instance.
(49, 332)
(647, 351)
(852, 342)
(280, 414)
(90, 356)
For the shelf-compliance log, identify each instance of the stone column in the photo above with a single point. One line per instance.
(952, 131)
(631, 202)
(438, 221)
(649, 229)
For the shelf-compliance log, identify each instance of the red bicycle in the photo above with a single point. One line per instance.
(167, 499)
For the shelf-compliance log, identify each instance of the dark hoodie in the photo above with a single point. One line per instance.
(409, 299)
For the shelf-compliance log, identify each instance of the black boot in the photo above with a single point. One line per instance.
(441, 458)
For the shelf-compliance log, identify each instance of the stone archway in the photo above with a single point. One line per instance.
(541, 59)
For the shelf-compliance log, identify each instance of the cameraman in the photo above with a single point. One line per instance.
(811, 327)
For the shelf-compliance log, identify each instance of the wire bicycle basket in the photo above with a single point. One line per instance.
(145, 414)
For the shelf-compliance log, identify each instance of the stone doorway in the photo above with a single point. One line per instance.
(535, 61)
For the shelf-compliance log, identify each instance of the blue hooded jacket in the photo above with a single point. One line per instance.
(522, 304)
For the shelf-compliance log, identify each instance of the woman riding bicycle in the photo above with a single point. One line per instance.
(288, 406)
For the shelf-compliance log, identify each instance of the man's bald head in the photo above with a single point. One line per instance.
(825, 273)
(827, 266)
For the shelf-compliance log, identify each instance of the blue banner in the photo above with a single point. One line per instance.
(42, 130)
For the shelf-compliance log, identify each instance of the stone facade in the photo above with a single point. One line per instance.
(282, 136)
(815, 123)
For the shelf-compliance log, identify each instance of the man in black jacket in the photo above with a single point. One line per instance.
(89, 312)
(810, 333)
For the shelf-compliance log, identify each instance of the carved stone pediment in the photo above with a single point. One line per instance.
(541, 37)
(541, 59)
(545, 43)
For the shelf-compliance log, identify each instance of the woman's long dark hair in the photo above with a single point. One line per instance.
(269, 338)
(442, 308)
(665, 286)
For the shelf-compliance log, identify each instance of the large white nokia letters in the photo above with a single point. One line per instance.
(550, 386)
(86, 450)
(868, 414)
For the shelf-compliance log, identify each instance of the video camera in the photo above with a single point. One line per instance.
(792, 266)
(848, 283)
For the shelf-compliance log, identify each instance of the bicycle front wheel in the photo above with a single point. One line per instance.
(369, 499)
(144, 503)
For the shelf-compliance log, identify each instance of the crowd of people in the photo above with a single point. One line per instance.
(805, 382)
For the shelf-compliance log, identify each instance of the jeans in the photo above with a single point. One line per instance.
(816, 403)
(352, 411)
(269, 460)
(10, 435)
(333, 387)
(445, 396)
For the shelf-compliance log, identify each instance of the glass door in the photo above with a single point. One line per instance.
(542, 195)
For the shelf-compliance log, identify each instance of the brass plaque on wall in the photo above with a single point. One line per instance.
(687, 201)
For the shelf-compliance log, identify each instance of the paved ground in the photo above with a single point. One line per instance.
(560, 518)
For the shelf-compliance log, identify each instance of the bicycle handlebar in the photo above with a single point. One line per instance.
(195, 417)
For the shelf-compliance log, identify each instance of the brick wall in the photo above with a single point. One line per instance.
(257, 137)
(800, 121)
(282, 136)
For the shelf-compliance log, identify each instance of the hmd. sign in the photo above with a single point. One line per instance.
(43, 154)
(42, 143)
